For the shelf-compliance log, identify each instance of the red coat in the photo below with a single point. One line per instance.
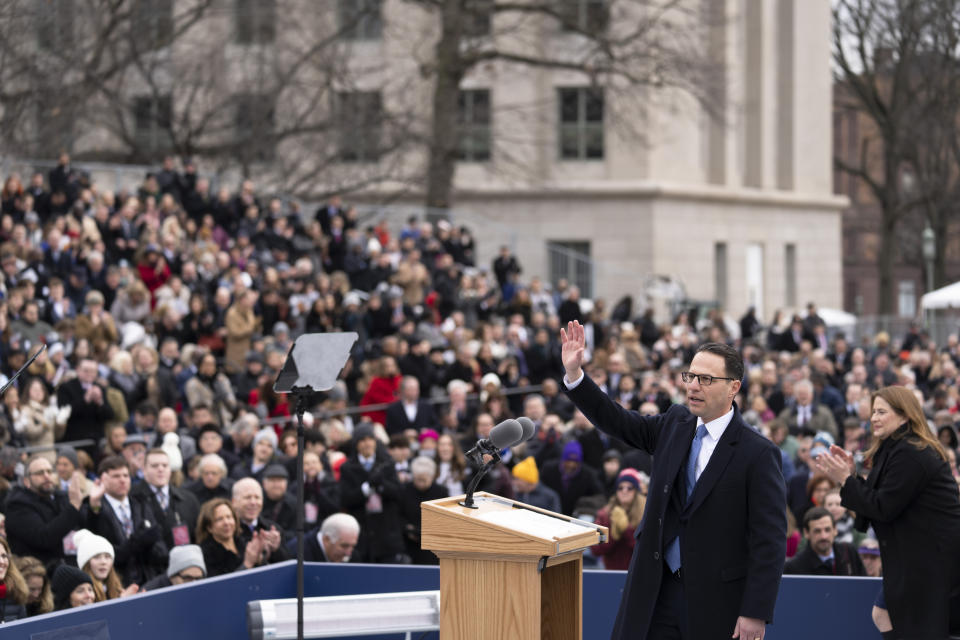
(152, 280)
(380, 391)
(616, 554)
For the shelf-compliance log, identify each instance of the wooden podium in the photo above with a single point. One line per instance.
(508, 571)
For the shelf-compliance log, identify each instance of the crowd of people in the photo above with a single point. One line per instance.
(145, 445)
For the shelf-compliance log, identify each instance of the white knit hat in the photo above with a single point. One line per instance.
(171, 445)
(90, 544)
(184, 557)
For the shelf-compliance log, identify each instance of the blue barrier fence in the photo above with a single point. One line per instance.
(807, 607)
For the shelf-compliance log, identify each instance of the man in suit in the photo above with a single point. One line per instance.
(410, 411)
(708, 560)
(127, 523)
(823, 556)
(90, 407)
(174, 508)
(807, 414)
(333, 541)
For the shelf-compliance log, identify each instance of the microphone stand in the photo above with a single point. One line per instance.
(468, 498)
(303, 395)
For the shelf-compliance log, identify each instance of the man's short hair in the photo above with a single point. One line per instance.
(732, 360)
(338, 524)
(423, 465)
(112, 462)
(815, 513)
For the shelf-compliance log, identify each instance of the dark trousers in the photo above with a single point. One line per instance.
(670, 613)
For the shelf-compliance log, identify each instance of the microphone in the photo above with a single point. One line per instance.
(506, 434)
(528, 428)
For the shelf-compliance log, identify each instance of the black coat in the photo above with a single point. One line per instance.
(846, 562)
(220, 560)
(397, 421)
(410, 499)
(910, 498)
(36, 525)
(140, 556)
(202, 494)
(283, 512)
(732, 531)
(245, 533)
(183, 509)
(86, 419)
(585, 483)
(381, 532)
(10, 610)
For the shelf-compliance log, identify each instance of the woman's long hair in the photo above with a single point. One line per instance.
(205, 520)
(906, 405)
(16, 586)
(114, 586)
(634, 511)
(29, 567)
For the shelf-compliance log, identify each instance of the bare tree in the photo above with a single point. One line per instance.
(896, 65)
(629, 48)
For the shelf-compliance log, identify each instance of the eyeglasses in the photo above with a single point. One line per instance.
(42, 472)
(705, 379)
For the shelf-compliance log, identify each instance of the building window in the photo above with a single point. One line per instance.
(254, 121)
(152, 23)
(590, 16)
(361, 19)
(720, 272)
(360, 122)
(907, 298)
(55, 24)
(790, 274)
(571, 261)
(581, 123)
(473, 124)
(152, 116)
(256, 21)
(476, 18)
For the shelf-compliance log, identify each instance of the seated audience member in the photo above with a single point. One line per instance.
(213, 481)
(224, 551)
(421, 488)
(95, 557)
(39, 595)
(278, 505)
(39, 516)
(15, 593)
(71, 588)
(264, 448)
(186, 565)
(175, 509)
(126, 522)
(823, 556)
(870, 556)
(622, 514)
(570, 478)
(528, 489)
(332, 541)
(248, 506)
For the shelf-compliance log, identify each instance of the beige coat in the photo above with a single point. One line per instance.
(241, 324)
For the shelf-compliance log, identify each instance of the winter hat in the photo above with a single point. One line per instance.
(90, 544)
(171, 445)
(276, 471)
(269, 434)
(573, 451)
(428, 433)
(184, 557)
(65, 579)
(629, 475)
(526, 470)
(68, 452)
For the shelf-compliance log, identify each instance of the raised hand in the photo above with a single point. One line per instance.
(572, 343)
(96, 493)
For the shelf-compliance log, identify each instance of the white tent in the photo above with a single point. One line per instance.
(944, 298)
(836, 317)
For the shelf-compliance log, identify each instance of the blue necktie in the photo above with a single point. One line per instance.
(672, 555)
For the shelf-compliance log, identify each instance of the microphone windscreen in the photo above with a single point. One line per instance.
(528, 427)
(506, 434)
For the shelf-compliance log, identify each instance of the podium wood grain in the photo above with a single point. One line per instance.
(499, 583)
